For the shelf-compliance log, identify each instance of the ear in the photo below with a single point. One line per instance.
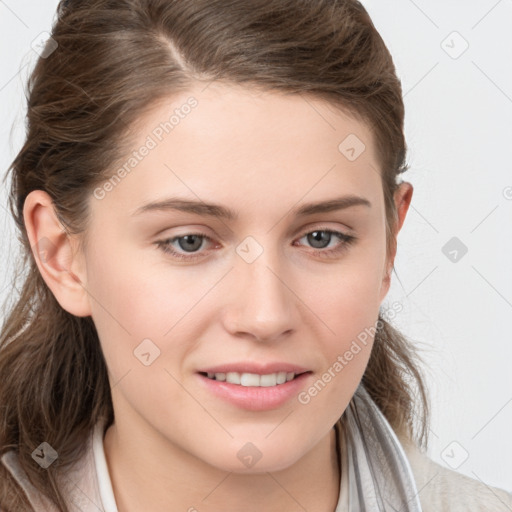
(55, 253)
(402, 197)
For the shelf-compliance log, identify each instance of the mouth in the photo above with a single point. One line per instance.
(253, 385)
(253, 379)
(255, 391)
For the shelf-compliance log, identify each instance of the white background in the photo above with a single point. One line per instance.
(459, 133)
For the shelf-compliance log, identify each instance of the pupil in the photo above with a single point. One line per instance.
(188, 241)
(317, 236)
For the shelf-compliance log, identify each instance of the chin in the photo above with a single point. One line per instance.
(248, 458)
(261, 466)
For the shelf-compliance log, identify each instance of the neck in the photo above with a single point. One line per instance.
(153, 474)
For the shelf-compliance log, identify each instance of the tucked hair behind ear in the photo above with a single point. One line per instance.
(116, 58)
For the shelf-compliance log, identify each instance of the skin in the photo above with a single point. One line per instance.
(173, 445)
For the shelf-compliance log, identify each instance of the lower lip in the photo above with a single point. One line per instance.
(254, 398)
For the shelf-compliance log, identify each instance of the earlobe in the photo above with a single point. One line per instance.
(53, 250)
(386, 282)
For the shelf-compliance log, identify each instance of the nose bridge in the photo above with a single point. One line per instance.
(262, 304)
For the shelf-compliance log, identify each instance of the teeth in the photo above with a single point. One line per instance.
(268, 380)
(247, 379)
(233, 377)
(253, 379)
(281, 377)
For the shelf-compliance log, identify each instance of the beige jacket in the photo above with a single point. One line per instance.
(444, 490)
(89, 488)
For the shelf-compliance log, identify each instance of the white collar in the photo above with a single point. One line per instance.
(103, 476)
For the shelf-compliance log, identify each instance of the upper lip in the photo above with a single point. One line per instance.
(253, 367)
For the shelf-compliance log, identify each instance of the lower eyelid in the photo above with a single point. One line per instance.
(344, 240)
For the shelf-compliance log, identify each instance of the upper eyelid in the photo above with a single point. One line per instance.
(300, 235)
(346, 230)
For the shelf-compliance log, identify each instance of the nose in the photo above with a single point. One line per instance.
(261, 305)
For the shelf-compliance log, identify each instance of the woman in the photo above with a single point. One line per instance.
(256, 367)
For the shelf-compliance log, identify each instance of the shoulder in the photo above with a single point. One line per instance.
(76, 483)
(443, 490)
(12, 495)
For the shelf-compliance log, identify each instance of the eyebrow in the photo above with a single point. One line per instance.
(222, 212)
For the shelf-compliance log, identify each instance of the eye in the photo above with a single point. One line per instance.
(322, 237)
(185, 242)
(189, 244)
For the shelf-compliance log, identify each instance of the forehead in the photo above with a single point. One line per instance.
(245, 117)
(240, 143)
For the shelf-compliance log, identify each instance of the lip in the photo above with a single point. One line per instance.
(253, 367)
(255, 398)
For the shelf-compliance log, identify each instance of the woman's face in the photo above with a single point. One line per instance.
(267, 291)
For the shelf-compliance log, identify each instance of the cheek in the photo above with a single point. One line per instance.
(127, 292)
(347, 298)
(347, 302)
(133, 301)
(349, 315)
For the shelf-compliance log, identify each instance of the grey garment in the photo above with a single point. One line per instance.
(380, 478)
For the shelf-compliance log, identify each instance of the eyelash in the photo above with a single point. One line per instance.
(347, 240)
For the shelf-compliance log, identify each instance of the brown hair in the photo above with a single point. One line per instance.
(114, 60)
